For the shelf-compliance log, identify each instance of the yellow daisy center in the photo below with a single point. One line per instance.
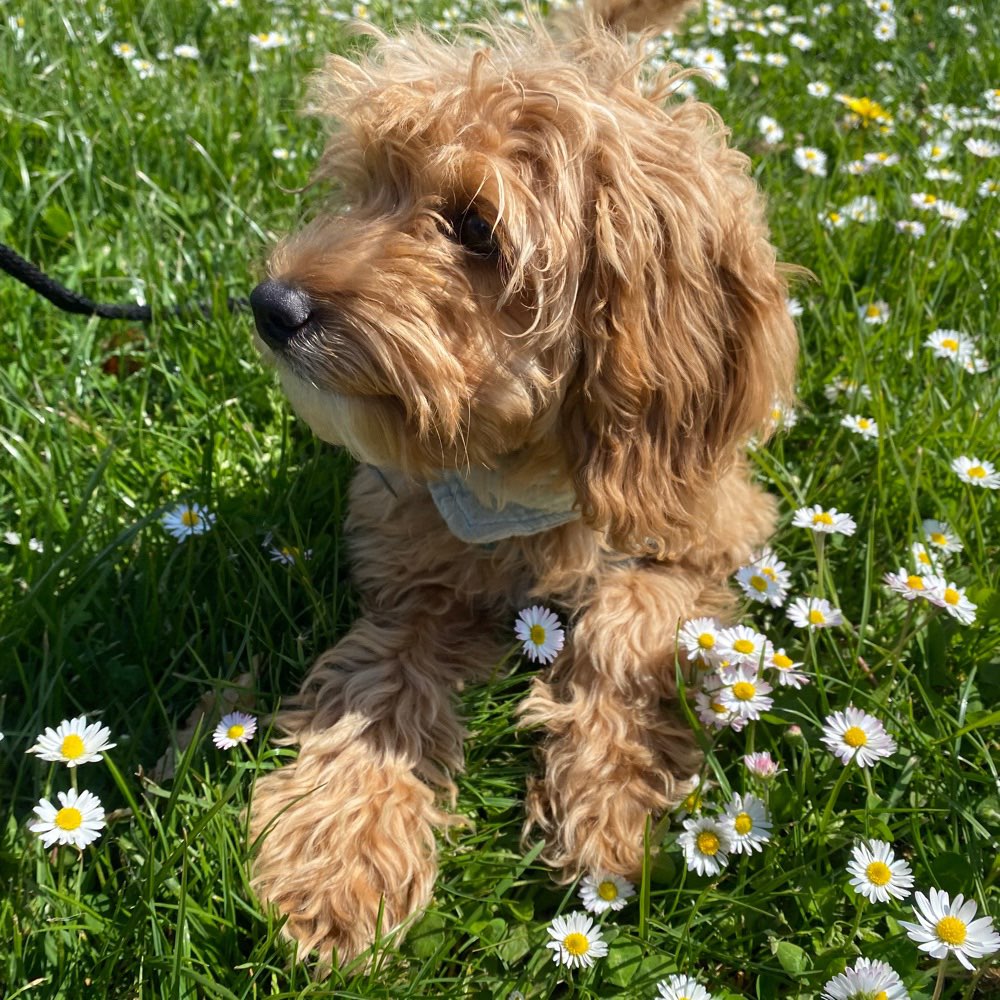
(936, 150)
(235, 731)
(873, 311)
(537, 634)
(758, 583)
(769, 573)
(744, 690)
(822, 518)
(69, 818)
(951, 596)
(781, 661)
(951, 930)
(743, 824)
(743, 646)
(976, 471)
(775, 414)
(706, 640)
(950, 343)
(938, 539)
(878, 873)
(855, 737)
(864, 423)
(816, 617)
(707, 843)
(881, 995)
(72, 747)
(576, 943)
(693, 800)
(190, 518)
(607, 890)
(834, 217)
(718, 708)
(924, 558)
(915, 582)
(810, 155)
(929, 199)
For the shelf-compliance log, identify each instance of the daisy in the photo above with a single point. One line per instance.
(759, 587)
(706, 844)
(881, 159)
(762, 765)
(811, 160)
(951, 597)
(778, 59)
(186, 520)
(864, 426)
(802, 42)
(78, 822)
(768, 564)
(286, 555)
(699, 637)
(268, 40)
(833, 219)
(934, 152)
(885, 29)
(941, 536)
(233, 729)
(600, 893)
(829, 522)
(541, 633)
(744, 693)
(576, 941)
(741, 644)
(124, 50)
(909, 586)
(877, 875)
(772, 132)
(73, 742)
(949, 344)
(911, 227)
(817, 88)
(747, 823)
(814, 612)
(187, 52)
(874, 314)
(681, 988)
(713, 713)
(984, 148)
(988, 189)
(866, 978)
(976, 472)
(863, 209)
(947, 925)
(950, 214)
(788, 673)
(856, 735)
(924, 200)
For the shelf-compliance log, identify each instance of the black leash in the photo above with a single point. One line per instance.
(38, 281)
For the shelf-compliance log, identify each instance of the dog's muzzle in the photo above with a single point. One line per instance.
(280, 310)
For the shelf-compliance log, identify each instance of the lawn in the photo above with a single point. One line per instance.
(153, 152)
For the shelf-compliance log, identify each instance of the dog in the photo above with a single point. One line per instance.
(545, 316)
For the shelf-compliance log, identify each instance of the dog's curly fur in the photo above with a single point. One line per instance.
(623, 339)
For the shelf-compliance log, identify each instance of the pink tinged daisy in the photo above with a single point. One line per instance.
(713, 714)
(741, 644)
(78, 822)
(681, 988)
(233, 729)
(856, 735)
(788, 673)
(748, 824)
(706, 844)
(186, 520)
(976, 472)
(829, 522)
(940, 536)
(864, 426)
(814, 612)
(762, 765)
(576, 941)
(744, 693)
(866, 978)
(945, 925)
(877, 875)
(600, 893)
(908, 585)
(541, 634)
(699, 637)
(73, 742)
(951, 597)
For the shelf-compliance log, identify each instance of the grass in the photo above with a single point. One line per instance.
(169, 185)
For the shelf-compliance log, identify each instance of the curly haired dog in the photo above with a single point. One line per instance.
(546, 318)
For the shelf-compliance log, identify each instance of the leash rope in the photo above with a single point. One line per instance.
(60, 296)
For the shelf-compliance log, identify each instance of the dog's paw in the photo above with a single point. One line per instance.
(346, 847)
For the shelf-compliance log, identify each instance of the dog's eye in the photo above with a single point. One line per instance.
(474, 233)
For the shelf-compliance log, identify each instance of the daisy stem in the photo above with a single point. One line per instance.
(820, 538)
(72, 777)
(857, 917)
(828, 811)
(970, 990)
(939, 984)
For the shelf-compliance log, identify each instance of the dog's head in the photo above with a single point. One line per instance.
(532, 256)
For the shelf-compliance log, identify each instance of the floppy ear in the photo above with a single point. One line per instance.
(685, 338)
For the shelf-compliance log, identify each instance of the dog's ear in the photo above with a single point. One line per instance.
(685, 337)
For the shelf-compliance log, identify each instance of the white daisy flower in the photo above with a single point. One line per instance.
(934, 151)
(741, 644)
(778, 59)
(866, 978)
(187, 52)
(576, 941)
(941, 537)
(124, 50)
(73, 742)
(911, 227)
(992, 98)
(814, 612)
(863, 426)
(759, 587)
(286, 555)
(881, 159)
(186, 520)
(877, 875)
(744, 693)
(951, 214)
(233, 729)
(794, 307)
(748, 824)
(712, 713)
(830, 522)
(600, 893)
(706, 845)
(909, 586)
(924, 200)
(833, 219)
(945, 174)
(976, 472)
(922, 558)
(945, 925)
(885, 29)
(700, 637)
(984, 148)
(811, 160)
(269, 40)
(874, 314)
(988, 189)
(817, 88)
(788, 673)
(762, 765)
(772, 132)
(681, 988)
(856, 735)
(862, 209)
(783, 418)
(949, 344)
(802, 42)
(540, 632)
(78, 822)
(951, 597)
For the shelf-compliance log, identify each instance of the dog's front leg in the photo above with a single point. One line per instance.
(347, 831)
(616, 749)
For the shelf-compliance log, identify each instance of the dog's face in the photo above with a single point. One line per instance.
(531, 256)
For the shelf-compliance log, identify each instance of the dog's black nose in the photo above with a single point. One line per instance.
(280, 310)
